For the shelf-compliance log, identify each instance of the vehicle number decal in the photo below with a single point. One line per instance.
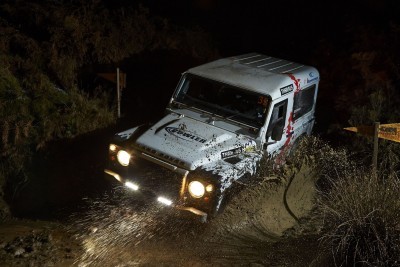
(262, 100)
(232, 152)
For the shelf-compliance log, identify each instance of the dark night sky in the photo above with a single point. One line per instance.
(290, 29)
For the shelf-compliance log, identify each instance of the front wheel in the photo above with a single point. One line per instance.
(229, 194)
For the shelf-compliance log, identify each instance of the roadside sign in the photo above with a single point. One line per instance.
(112, 77)
(385, 131)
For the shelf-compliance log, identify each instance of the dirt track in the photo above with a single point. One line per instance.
(58, 248)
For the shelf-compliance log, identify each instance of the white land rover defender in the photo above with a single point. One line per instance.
(221, 119)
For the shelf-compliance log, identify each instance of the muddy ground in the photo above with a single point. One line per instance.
(266, 224)
(43, 243)
(68, 214)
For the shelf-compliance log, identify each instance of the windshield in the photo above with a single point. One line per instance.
(223, 100)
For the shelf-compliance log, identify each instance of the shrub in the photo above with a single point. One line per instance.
(361, 214)
(34, 112)
(358, 210)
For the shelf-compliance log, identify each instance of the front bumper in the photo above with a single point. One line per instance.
(173, 200)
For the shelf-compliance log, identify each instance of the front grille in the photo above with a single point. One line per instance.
(155, 178)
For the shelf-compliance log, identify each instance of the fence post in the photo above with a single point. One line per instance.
(118, 96)
(375, 155)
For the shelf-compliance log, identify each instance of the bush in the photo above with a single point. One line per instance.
(359, 211)
(35, 112)
(361, 214)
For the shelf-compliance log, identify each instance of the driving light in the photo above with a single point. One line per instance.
(123, 157)
(113, 147)
(131, 186)
(209, 188)
(196, 189)
(164, 201)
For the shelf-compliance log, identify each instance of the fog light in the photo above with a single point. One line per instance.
(164, 201)
(132, 186)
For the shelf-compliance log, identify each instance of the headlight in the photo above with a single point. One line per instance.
(196, 189)
(123, 157)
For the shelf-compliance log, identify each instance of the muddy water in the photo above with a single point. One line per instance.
(120, 231)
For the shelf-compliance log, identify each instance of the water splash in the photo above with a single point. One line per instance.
(120, 229)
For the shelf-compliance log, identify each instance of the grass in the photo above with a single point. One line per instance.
(361, 214)
(359, 210)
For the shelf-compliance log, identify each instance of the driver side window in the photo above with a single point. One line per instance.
(277, 121)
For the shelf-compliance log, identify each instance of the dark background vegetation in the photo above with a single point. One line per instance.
(57, 114)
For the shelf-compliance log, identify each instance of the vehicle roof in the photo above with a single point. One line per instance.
(258, 73)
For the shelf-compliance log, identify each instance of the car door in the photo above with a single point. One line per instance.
(275, 136)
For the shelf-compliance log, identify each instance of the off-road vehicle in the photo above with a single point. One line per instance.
(222, 118)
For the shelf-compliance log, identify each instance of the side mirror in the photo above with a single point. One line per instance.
(265, 146)
(277, 132)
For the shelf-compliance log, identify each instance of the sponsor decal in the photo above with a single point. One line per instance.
(232, 152)
(186, 135)
(312, 78)
(287, 89)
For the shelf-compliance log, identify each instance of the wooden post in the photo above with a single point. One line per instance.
(118, 96)
(375, 155)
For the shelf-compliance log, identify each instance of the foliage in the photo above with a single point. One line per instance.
(65, 36)
(380, 102)
(361, 214)
(359, 210)
(383, 107)
(362, 79)
(43, 47)
(34, 114)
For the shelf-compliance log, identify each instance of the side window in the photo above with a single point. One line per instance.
(277, 121)
(303, 102)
